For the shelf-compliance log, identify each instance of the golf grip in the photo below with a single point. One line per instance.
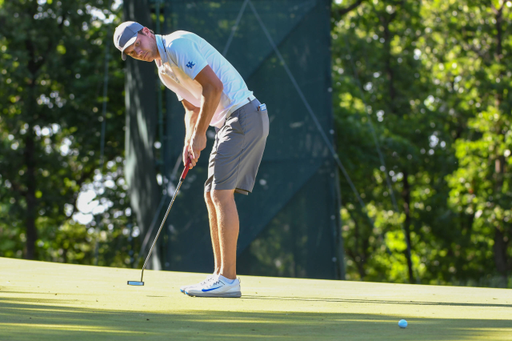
(185, 169)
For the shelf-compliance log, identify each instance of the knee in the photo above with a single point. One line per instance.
(208, 198)
(222, 197)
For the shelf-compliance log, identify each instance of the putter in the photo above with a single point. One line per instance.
(183, 176)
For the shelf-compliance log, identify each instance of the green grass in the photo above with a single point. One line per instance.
(49, 301)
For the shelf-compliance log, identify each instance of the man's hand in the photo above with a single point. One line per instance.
(197, 144)
(186, 156)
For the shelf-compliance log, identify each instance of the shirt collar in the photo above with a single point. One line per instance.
(160, 43)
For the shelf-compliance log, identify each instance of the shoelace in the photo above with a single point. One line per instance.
(206, 281)
(217, 282)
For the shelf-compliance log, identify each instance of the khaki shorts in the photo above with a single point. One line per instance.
(238, 149)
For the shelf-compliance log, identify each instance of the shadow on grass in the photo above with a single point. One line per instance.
(369, 301)
(30, 319)
(318, 299)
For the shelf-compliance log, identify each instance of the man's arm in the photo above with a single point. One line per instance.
(212, 90)
(191, 115)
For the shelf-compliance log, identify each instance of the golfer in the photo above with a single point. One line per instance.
(212, 93)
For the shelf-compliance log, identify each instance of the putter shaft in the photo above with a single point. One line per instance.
(160, 229)
(182, 178)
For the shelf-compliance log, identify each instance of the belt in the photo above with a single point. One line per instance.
(239, 105)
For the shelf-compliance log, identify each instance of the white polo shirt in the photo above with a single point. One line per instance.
(183, 55)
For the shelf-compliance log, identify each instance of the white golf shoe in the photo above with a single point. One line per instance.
(216, 288)
(211, 277)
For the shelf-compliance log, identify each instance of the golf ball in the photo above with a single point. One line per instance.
(402, 323)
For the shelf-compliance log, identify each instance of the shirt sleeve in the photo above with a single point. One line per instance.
(185, 54)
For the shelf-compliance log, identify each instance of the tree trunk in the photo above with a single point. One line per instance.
(30, 196)
(406, 196)
(500, 239)
(500, 254)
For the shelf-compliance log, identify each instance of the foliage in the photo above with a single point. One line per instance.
(53, 53)
(431, 79)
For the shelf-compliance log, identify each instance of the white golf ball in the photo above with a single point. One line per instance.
(402, 323)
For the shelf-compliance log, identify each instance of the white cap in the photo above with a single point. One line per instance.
(125, 35)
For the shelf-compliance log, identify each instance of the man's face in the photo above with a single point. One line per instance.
(144, 48)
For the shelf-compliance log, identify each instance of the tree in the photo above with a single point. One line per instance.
(379, 93)
(471, 69)
(53, 53)
(432, 77)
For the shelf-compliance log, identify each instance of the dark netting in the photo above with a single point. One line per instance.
(289, 225)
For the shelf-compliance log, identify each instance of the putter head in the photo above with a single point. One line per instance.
(138, 283)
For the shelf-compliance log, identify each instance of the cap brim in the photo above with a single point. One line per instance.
(128, 44)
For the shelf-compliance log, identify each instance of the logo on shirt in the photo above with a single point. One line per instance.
(190, 65)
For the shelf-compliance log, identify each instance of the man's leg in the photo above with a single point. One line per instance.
(214, 232)
(228, 227)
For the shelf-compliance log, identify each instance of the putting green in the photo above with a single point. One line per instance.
(50, 301)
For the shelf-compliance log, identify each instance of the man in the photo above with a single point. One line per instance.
(212, 93)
